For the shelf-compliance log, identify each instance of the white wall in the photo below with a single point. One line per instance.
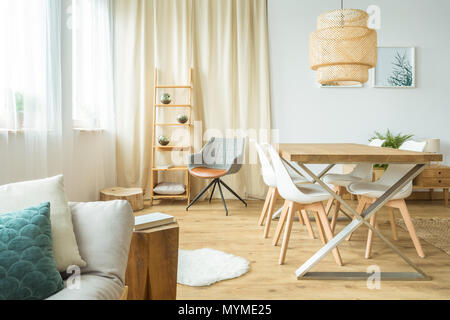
(303, 112)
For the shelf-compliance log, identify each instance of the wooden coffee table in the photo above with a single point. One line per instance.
(153, 264)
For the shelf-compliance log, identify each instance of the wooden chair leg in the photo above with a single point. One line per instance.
(305, 216)
(329, 205)
(262, 217)
(337, 207)
(320, 228)
(273, 200)
(281, 223)
(445, 197)
(412, 231)
(393, 225)
(328, 232)
(287, 232)
(300, 218)
(373, 220)
(330, 202)
(360, 209)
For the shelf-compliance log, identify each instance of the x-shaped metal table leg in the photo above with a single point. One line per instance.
(303, 271)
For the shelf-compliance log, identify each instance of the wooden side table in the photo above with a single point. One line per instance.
(434, 177)
(153, 264)
(135, 196)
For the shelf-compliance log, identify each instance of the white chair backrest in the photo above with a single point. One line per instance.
(396, 171)
(286, 187)
(364, 170)
(266, 167)
(377, 143)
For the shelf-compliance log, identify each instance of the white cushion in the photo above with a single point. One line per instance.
(169, 188)
(312, 193)
(18, 196)
(376, 190)
(341, 179)
(91, 287)
(299, 180)
(104, 231)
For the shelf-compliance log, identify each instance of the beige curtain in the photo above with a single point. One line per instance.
(226, 44)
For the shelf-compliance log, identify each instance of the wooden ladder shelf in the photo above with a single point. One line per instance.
(157, 107)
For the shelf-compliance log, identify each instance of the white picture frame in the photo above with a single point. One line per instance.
(396, 68)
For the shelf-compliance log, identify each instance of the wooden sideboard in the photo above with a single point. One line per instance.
(434, 177)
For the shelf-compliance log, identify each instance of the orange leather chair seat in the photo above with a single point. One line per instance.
(207, 173)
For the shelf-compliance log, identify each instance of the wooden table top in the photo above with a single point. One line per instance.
(328, 153)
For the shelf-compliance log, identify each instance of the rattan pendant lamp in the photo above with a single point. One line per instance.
(343, 48)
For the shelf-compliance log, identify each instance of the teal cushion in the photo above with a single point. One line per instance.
(27, 265)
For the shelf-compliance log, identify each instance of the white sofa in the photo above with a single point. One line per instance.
(103, 231)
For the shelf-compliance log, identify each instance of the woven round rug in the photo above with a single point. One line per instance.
(435, 231)
(204, 267)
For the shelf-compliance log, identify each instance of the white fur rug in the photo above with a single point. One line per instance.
(204, 267)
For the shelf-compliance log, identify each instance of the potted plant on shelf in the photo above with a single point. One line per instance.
(164, 141)
(182, 118)
(391, 141)
(18, 98)
(166, 98)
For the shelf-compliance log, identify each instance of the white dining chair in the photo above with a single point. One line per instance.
(300, 198)
(361, 172)
(270, 180)
(371, 191)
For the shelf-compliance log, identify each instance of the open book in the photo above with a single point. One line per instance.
(152, 220)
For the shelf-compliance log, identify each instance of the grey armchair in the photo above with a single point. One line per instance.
(218, 158)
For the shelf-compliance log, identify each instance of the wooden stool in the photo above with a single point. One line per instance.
(135, 196)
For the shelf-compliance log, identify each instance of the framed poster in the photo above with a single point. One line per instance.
(396, 68)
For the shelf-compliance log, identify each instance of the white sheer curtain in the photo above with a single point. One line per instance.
(226, 44)
(36, 136)
(94, 141)
(30, 89)
(93, 103)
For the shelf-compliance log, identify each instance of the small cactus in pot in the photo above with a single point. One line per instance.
(166, 98)
(163, 140)
(182, 118)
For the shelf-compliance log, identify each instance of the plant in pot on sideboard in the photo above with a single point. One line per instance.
(393, 141)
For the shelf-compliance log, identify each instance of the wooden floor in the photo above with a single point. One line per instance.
(206, 226)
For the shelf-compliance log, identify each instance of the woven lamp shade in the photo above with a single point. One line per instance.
(343, 48)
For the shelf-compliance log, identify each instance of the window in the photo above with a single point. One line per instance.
(30, 64)
(92, 64)
(27, 97)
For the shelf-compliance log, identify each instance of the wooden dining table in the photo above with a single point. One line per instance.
(332, 154)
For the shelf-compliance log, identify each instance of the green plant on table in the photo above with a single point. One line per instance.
(391, 141)
(19, 102)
